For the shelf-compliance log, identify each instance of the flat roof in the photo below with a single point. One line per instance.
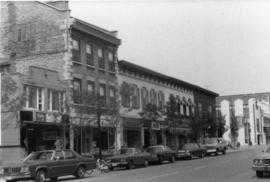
(137, 68)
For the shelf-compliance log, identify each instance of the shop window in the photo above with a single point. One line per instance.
(111, 61)
(77, 88)
(89, 55)
(90, 92)
(34, 97)
(55, 100)
(125, 94)
(101, 61)
(144, 97)
(76, 50)
(102, 94)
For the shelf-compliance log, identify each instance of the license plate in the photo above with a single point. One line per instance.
(113, 164)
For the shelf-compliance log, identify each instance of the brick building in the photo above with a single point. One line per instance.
(53, 58)
(152, 87)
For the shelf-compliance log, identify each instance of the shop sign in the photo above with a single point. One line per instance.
(164, 126)
(41, 117)
(103, 123)
(155, 126)
(49, 135)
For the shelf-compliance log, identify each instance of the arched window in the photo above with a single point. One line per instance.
(160, 100)
(135, 97)
(125, 94)
(144, 96)
(178, 102)
(153, 97)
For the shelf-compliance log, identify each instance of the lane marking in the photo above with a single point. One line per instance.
(156, 177)
(199, 167)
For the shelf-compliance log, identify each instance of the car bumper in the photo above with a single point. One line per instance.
(211, 150)
(17, 177)
(179, 155)
(119, 164)
(261, 168)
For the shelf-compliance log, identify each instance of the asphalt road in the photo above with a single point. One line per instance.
(232, 167)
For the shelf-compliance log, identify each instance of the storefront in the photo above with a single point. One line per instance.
(132, 132)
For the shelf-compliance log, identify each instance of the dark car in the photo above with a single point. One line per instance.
(190, 150)
(129, 158)
(261, 163)
(48, 164)
(160, 153)
(215, 145)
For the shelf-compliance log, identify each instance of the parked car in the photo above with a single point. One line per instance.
(48, 164)
(261, 163)
(190, 150)
(215, 145)
(160, 153)
(129, 158)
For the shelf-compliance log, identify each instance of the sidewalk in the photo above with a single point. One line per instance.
(245, 147)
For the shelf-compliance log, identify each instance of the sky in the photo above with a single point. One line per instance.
(220, 45)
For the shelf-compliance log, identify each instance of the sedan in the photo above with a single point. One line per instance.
(261, 163)
(190, 150)
(160, 153)
(129, 158)
(48, 164)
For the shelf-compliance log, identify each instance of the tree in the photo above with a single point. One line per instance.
(234, 127)
(172, 112)
(221, 122)
(210, 125)
(149, 114)
(197, 126)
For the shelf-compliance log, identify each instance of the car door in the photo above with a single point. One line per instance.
(71, 161)
(140, 156)
(60, 167)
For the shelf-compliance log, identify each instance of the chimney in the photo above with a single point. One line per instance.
(63, 5)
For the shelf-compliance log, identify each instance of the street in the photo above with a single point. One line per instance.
(232, 167)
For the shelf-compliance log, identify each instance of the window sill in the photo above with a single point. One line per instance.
(77, 63)
(90, 66)
(102, 70)
(112, 72)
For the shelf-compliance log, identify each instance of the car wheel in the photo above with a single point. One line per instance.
(259, 174)
(53, 178)
(172, 159)
(130, 165)
(111, 168)
(146, 163)
(80, 173)
(224, 152)
(40, 176)
(216, 153)
(160, 160)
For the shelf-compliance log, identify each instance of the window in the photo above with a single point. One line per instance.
(200, 109)
(111, 62)
(153, 97)
(4, 69)
(210, 109)
(77, 88)
(144, 97)
(76, 50)
(55, 100)
(102, 93)
(89, 54)
(160, 100)
(101, 62)
(90, 92)
(34, 97)
(136, 97)
(258, 125)
(112, 96)
(125, 94)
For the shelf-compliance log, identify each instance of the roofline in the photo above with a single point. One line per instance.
(53, 7)
(249, 94)
(165, 77)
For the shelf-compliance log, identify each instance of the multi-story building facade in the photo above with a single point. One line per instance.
(152, 87)
(252, 113)
(55, 62)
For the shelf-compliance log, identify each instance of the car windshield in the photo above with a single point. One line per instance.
(39, 156)
(126, 151)
(157, 149)
(188, 146)
(210, 140)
